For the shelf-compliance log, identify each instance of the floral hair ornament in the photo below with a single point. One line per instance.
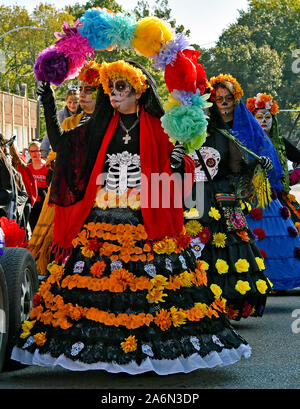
(262, 101)
(121, 69)
(237, 93)
(90, 73)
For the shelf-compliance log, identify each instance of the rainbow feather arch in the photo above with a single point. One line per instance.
(100, 29)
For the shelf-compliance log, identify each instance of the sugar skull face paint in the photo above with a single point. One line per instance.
(264, 118)
(123, 96)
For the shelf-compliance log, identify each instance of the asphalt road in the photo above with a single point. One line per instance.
(274, 364)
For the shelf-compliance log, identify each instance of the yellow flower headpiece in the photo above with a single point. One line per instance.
(90, 73)
(121, 69)
(262, 101)
(238, 92)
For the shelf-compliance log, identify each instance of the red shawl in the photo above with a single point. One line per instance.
(155, 150)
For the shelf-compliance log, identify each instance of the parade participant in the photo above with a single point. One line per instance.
(279, 236)
(38, 168)
(71, 108)
(248, 131)
(125, 293)
(13, 193)
(41, 240)
(266, 109)
(220, 234)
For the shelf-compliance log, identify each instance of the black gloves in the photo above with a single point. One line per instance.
(266, 163)
(177, 156)
(44, 90)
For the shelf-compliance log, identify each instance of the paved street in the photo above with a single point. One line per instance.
(274, 363)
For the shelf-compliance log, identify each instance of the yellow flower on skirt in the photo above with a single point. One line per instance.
(261, 286)
(242, 287)
(260, 263)
(222, 266)
(219, 239)
(216, 290)
(242, 265)
(214, 213)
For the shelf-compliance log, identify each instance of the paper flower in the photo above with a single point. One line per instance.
(168, 52)
(214, 213)
(51, 66)
(216, 290)
(242, 287)
(183, 123)
(285, 213)
(150, 35)
(261, 285)
(222, 266)
(121, 29)
(256, 214)
(260, 263)
(242, 265)
(259, 233)
(96, 23)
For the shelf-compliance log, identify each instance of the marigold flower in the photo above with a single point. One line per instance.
(40, 338)
(163, 319)
(222, 266)
(86, 252)
(219, 239)
(159, 281)
(242, 265)
(193, 227)
(129, 345)
(178, 317)
(156, 295)
(214, 213)
(243, 235)
(186, 279)
(98, 268)
(242, 287)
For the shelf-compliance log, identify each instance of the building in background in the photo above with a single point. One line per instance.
(19, 116)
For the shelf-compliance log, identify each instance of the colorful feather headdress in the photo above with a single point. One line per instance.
(100, 29)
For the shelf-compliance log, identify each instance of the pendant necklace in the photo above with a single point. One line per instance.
(127, 137)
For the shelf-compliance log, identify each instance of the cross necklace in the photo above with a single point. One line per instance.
(127, 137)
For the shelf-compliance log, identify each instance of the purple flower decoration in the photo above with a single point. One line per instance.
(297, 252)
(168, 52)
(284, 211)
(68, 30)
(51, 66)
(292, 232)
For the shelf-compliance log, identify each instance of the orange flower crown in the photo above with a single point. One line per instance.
(121, 69)
(90, 73)
(262, 101)
(238, 92)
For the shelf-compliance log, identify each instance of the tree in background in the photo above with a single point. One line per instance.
(258, 51)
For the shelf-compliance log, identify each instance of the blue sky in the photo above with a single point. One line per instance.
(206, 19)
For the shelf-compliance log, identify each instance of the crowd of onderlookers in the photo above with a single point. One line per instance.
(25, 177)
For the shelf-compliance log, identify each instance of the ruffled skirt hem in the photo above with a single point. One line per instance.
(160, 367)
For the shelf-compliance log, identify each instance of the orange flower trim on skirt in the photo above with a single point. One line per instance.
(57, 313)
(125, 238)
(163, 319)
(120, 280)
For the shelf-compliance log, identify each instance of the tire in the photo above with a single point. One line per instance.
(22, 283)
(4, 317)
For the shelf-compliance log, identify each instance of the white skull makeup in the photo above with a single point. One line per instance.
(211, 158)
(122, 96)
(264, 118)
